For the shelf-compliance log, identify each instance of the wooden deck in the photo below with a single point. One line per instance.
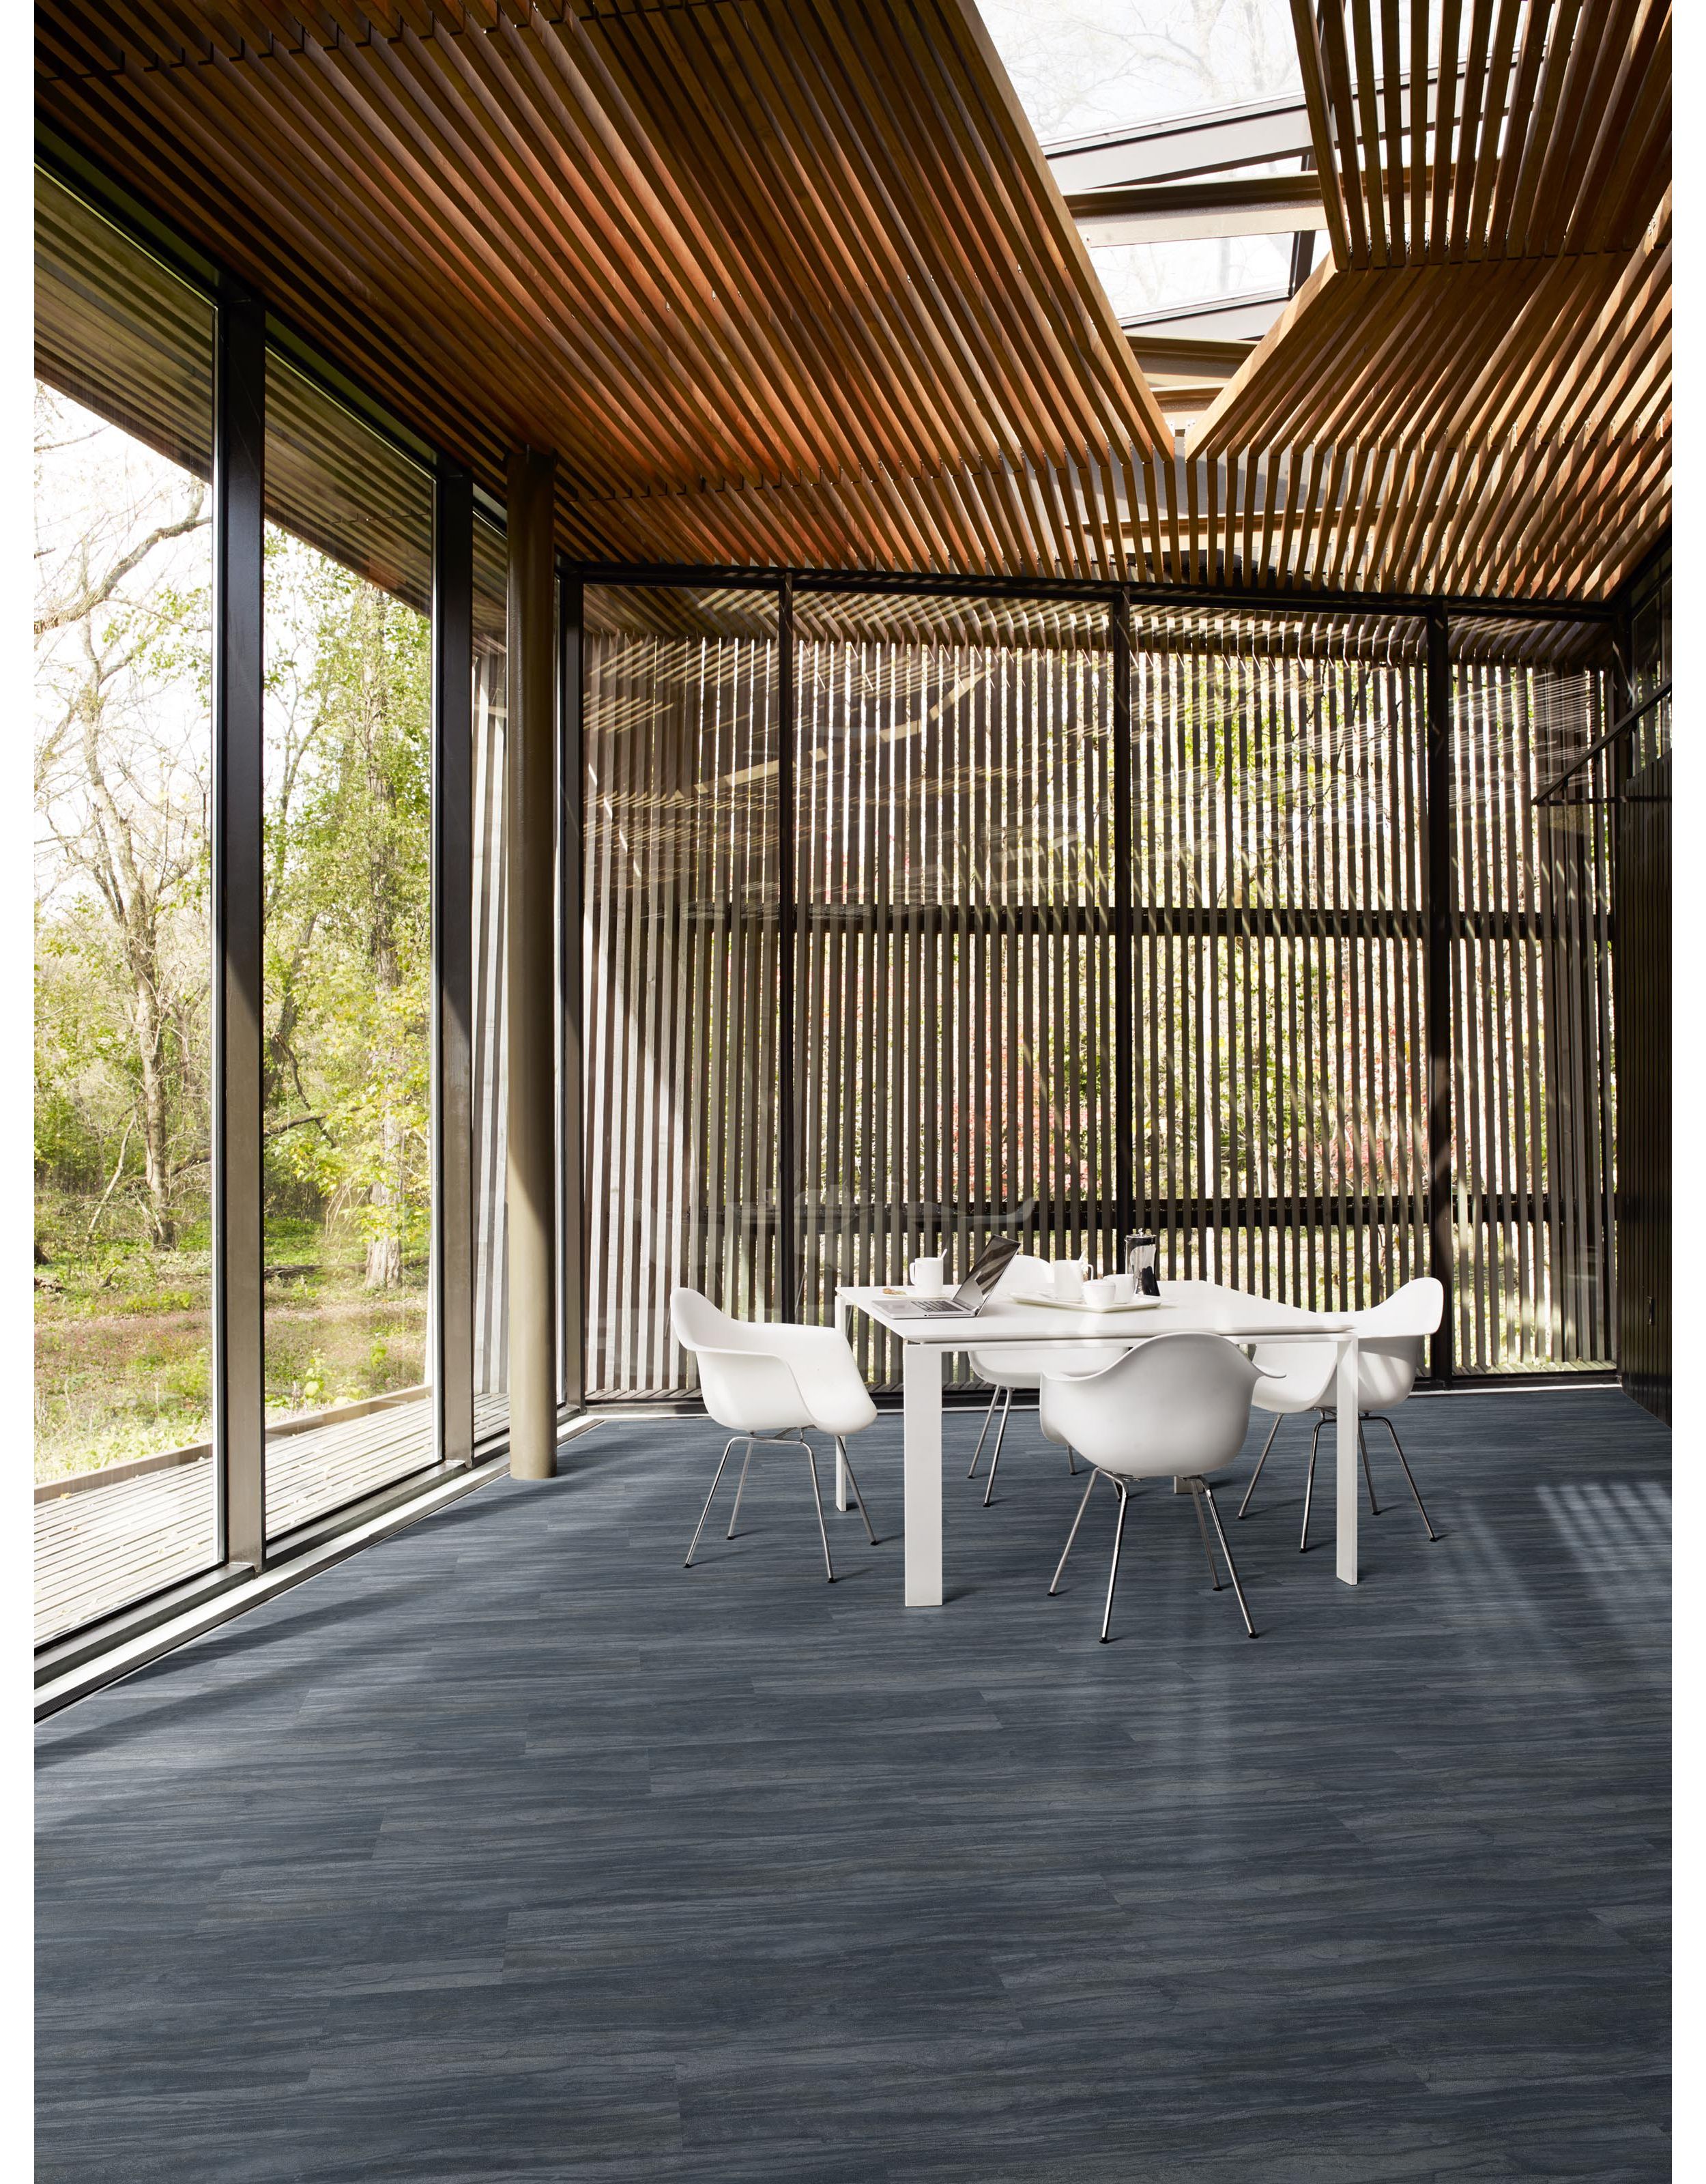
(99, 1547)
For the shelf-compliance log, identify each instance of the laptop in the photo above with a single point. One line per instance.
(973, 1293)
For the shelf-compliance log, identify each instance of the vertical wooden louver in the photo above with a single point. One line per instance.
(957, 907)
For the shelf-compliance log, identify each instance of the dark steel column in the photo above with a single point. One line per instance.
(238, 1018)
(453, 956)
(1437, 899)
(788, 1296)
(1125, 979)
(571, 790)
(530, 966)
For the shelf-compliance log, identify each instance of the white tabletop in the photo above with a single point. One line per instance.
(1004, 1319)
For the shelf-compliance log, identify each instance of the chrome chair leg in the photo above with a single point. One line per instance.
(1000, 1436)
(841, 1451)
(829, 1567)
(994, 1398)
(1071, 1462)
(1362, 1444)
(1124, 1494)
(1196, 1504)
(739, 1489)
(1232, 1567)
(1408, 1473)
(1309, 1484)
(1073, 1534)
(711, 1497)
(1260, 1461)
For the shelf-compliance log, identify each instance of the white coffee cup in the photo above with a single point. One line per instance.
(1125, 1287)
(926, 1276)
(1101, 1292)
(1068, 1277)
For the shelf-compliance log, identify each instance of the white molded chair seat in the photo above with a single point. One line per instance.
(1178, 1406)
(1010, 1365)
(766, 1383)
(1390, 1336)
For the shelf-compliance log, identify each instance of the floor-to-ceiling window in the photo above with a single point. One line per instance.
(347, 898)
(126, 1501)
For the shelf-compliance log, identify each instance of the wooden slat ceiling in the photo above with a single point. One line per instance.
(1482, 373)
(789, 280)
(775, 281)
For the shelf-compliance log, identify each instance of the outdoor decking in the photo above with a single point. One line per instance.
(510, 1849)
(103, 1545)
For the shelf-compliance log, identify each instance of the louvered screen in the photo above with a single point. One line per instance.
(978, 858)
(954, 786)
(682, 758)
(1277, 787)
(1532, 1117)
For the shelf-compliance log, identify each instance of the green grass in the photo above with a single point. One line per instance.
(122, 1336)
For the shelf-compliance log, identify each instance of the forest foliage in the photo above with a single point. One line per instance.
(123, 956)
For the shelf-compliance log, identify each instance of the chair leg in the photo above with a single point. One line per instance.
(1362, 1444)
(1232, 1567)
(739, 1489)
(1124, 1494)
(1310, 1485)
(1408, 1473)
(1071, 1462)
(829, 1567)
(1072, 1534)
(994, 1398)
(711, 1497)
(1196, 1504)
(1000, 1436)
(841, 1451)
(1260, 1461)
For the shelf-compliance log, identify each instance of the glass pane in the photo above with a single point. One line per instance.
(347, 867)
(491, 1143)
(954, 974)
(683, 920)
(126, 1501)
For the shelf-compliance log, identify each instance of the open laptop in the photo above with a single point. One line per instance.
(973, 1293)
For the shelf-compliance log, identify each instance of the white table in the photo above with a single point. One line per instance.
(928, 1341)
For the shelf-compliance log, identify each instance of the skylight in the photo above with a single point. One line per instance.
(1133, 97)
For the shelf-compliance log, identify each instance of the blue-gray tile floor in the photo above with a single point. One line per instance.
(511, 1850)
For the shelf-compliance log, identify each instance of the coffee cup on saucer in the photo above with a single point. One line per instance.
(926, 1276)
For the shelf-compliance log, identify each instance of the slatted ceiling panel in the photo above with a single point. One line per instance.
(1502, 337)
(776, 284)
(681, 974)
(1276, 885)
(1532, 1118)
(953, 848)
(119, 333)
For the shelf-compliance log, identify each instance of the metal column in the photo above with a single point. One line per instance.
(452, 955)
(570, 781)
(1437, 887)
(530, 966)
(238, 1000)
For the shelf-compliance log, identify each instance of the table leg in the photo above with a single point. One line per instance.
(921, 1383)
(1345, 1396)
(841, 1460)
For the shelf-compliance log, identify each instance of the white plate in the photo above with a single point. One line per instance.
(1060, 1304)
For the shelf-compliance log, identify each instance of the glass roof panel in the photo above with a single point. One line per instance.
(1089, 67)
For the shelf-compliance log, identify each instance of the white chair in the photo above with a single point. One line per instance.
(1177, 1407)
(1299, 1377)
(768, 1384)
(1011, 1365)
